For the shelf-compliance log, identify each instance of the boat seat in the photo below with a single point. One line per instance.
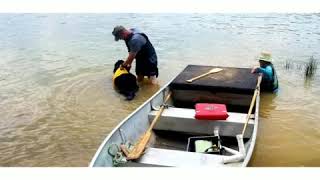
(175, 158)
(183, 120)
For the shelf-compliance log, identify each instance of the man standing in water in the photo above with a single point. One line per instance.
(141, 49)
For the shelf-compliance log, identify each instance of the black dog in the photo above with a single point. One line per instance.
(125, 83)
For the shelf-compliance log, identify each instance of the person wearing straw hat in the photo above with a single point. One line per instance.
(269, 76)
(141, 49)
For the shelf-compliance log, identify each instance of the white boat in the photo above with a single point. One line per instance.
(171, 142)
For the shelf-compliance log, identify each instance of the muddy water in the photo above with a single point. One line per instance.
(56, 98)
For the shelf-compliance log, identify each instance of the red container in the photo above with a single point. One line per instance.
(206, 111)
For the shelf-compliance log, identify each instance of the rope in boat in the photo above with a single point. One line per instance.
(115, 152)
(117, 155)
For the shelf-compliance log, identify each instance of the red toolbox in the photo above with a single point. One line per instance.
(209, 111)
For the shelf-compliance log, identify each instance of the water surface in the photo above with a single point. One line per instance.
(56, 98)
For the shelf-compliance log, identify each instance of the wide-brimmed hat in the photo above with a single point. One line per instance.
(265, 56)
(117, 31)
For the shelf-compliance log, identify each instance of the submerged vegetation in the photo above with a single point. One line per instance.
(307, 69)
(310, 68)
(288, 64)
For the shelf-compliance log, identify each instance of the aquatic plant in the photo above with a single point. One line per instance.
(288, 64)
(310, 67)
(299, 66)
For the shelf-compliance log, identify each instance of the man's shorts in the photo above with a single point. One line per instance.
(146, 68)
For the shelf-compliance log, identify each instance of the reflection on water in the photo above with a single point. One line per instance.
(56, 98)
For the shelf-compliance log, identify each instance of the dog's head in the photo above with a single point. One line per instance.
(117, 65)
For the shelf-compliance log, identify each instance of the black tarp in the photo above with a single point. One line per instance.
(230, 79)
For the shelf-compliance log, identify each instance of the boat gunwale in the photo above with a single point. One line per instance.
(254, 134)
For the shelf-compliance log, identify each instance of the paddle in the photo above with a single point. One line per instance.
(214, 70)
(252, 103)
(138, 149)
(240, 155)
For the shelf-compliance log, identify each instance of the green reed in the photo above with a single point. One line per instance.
(288, 64)
(310, 67)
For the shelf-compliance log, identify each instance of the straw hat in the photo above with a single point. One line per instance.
(265, 56)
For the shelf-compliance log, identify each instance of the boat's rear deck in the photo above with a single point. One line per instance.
(156, 157)
(176, 125)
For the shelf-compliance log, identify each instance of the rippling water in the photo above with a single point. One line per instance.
(56, 98)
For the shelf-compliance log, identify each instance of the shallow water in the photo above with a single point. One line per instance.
(56, 98)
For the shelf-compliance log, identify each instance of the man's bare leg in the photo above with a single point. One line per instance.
(140, 78)
(153, 79)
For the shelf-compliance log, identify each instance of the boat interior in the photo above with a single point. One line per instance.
(180, 139)
(175, 134)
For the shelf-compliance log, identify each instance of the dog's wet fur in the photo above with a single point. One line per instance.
(126, 84)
